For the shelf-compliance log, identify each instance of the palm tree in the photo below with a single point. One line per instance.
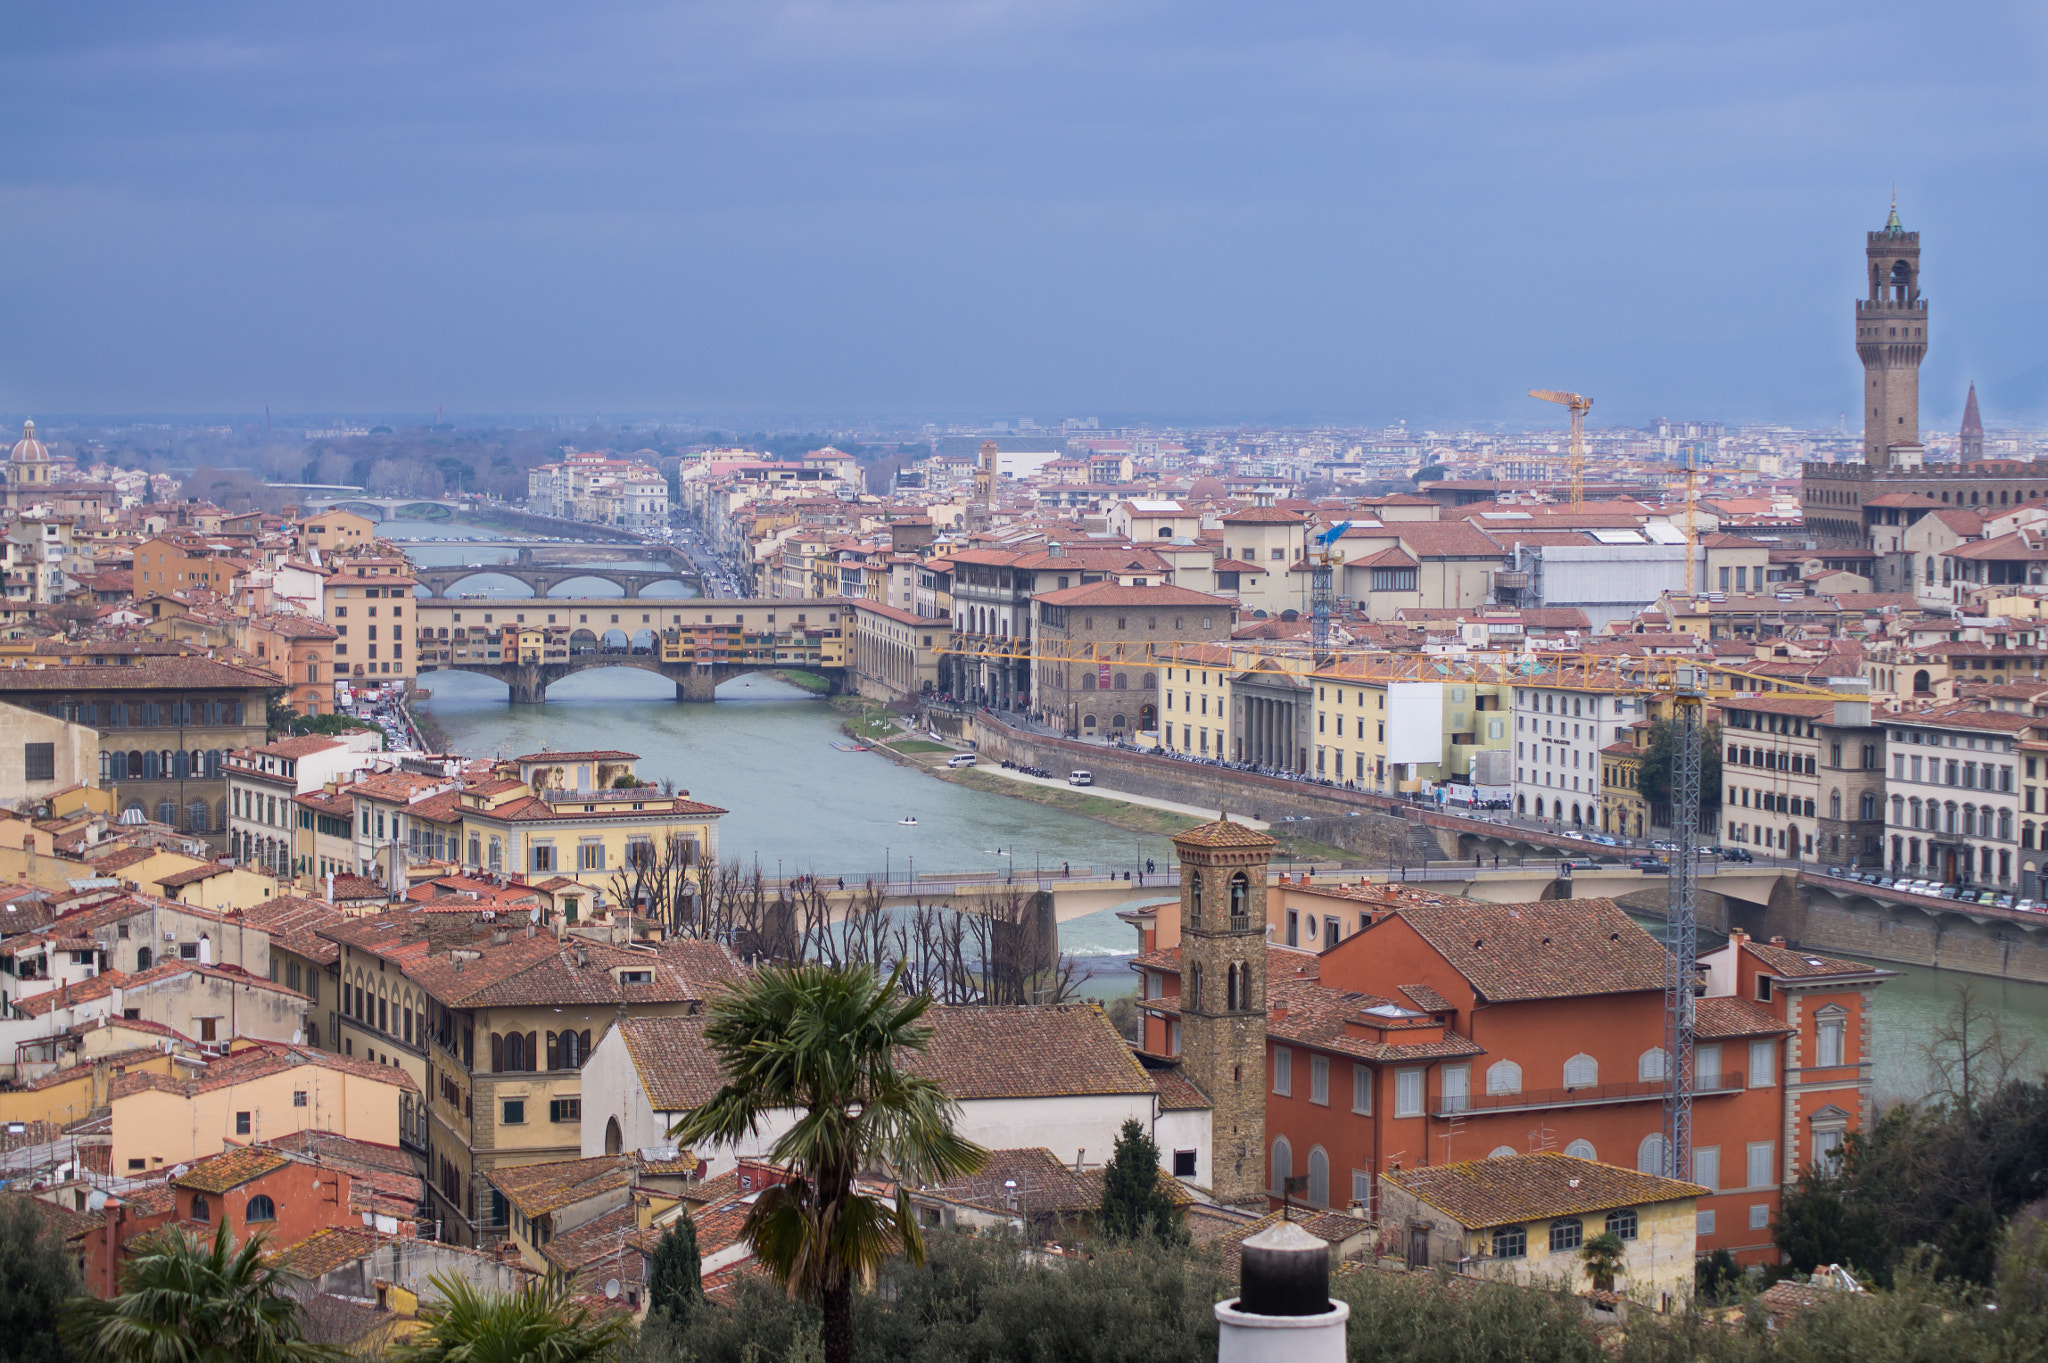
(1603, 1256)
(185, 1300)
(825, 1044)
(537, 1324)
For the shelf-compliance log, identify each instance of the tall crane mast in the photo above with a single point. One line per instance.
(1578, 406)
(1325, 558)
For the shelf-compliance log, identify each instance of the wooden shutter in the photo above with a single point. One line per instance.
(497, 1054)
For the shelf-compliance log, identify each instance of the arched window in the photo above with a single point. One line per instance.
(1581, 1071)
(614, 1143)
(1581, 1150)
(1504, 1076)
(1651, 1064)
(1834, 804)
(1087, 681)
(1318, 1177)
(1240, 895)
(1195, 896)
(1283, 1165)
(198, 817)
(1120, 682)
(1502, 1152)
(1230, 993)
(202, 1210)
(1195, 987)
(1650, 1154)
(572, 1053)
(261, 1208)
(167, 812)
(152, 766)
(181, 764)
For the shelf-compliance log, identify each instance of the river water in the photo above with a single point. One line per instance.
(764, 753)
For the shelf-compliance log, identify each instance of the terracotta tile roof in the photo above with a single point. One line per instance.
(101, 985)
(298, 747)
(596, 1242)
(1223, 833)
(66, 1223)
(1792, 964)
(1556, 948)
(1043, 1184)
(973, 1053)
(231, 1169)
(1314, 1014)
(346, 1152)
(325, 1250)
(1729, 1018)
(199, 674)
(1427, 999)
(293, 923)
(1262, 515)
(1108, 593)
(536, 1189)
(1499, 1192)
(1177, 1092)
(262, 1059)
(1333, 1227)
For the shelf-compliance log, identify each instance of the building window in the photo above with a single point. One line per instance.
(1763, 1157)
(1760, 1216)
(298, 1097)
(1622, 1224)
(1319, 1080)
(1828, 1051)
(515, 1112)
(260, 1208)
(39, 761)
(1511, 1242)
(1361, 1090)
(1504, 1076)
(1582, 1149)
(241, 1123)
(565, 1109)
(543, 857)
(1408, 1093)
(1581, 1071)
(1706, 1167)
(1283, 1071)
(201, 1210)
(1184, 1164)
(1706, 1223)
(1763, 1064)
(1566, 1235)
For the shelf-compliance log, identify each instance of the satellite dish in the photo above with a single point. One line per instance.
(611, 1289)
(97, 1202)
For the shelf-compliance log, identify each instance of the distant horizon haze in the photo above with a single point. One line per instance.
(1317, 214)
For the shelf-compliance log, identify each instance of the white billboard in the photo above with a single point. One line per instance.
(1415, 722)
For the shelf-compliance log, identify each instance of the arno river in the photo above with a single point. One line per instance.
(764, 753)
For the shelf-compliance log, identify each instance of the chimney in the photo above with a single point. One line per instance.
(1284, 1285)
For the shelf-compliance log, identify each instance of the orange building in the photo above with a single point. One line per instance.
(369, 603)
(299, 651)
(1442, 1030)
(165, 565)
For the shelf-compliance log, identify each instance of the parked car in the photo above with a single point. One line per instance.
(1080, 778)
(961, 759)
(1574, 833)
(1663, 847)
(1949, 891)
(1733, 854)
(2005, 901)
(2028, 906)
(1652, 866)
(1606, 841)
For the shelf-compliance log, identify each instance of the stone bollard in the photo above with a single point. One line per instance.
(1283, 1313)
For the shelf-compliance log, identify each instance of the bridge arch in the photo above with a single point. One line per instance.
(557, 584)
(448, 585)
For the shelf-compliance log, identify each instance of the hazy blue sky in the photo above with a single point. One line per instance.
(1338, 210)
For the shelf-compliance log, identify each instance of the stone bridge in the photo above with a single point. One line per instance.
(529, 682)
(543, 568)
(393, 508)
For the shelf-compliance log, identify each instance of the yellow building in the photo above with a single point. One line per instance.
(585, 816)
(1524, 1218)
(257, 1093)
(74, 1092)
(498, 1021)
(1194, 701)
(333, 531)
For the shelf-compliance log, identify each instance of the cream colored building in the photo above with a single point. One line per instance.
(1524, 1218)
(41, 754)
(258, 1093)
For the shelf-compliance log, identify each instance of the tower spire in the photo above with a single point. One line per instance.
(1971, 446)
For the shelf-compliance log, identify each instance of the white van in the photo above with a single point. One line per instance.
(960, 759)
(1080, 778)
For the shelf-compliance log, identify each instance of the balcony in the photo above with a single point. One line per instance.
(1590, 1095)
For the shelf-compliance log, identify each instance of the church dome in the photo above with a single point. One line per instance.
(1208, 487)
(29, 450)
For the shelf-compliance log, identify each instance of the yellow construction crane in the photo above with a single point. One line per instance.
(1579, 407)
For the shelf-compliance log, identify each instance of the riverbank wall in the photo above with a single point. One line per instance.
(1332, 817)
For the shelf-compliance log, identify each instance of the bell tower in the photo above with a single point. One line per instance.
(1223, 996)
(1891, 340)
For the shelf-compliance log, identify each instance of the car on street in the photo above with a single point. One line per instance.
(1652, 866)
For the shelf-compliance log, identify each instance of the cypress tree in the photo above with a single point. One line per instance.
(1134, 1201)
(675, 1279)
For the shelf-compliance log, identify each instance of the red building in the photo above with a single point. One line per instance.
(284, 1192)
(1443, 1030)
